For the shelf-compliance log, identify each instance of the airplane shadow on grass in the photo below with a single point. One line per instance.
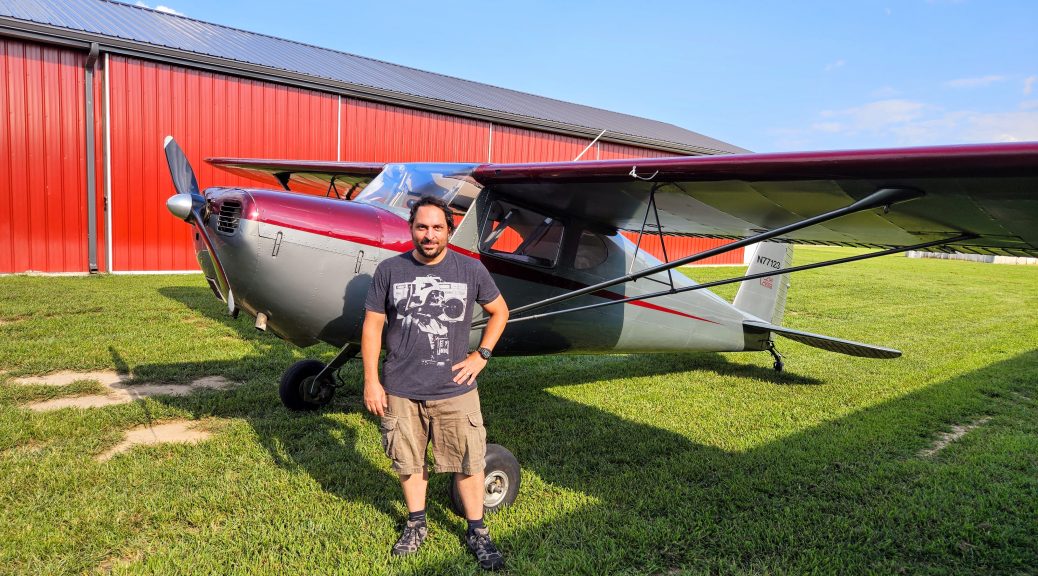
(846, 495)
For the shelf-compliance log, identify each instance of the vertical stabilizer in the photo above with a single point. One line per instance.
(765, 297)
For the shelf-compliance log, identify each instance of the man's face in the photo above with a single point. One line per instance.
(429, 232)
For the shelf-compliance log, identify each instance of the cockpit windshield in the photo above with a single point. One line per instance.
(400, 185)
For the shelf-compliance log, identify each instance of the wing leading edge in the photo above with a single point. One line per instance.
(989, 191)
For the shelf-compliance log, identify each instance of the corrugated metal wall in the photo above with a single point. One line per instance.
(522, 145)
(210, 115)
(611, 151)
(681, 246)
(374, 132)
(43, 200)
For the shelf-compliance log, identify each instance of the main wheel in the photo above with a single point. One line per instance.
(501, 483)
(298, 391)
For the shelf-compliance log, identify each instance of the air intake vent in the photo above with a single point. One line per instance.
(230, 212)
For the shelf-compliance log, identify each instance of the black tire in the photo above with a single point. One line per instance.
(502, 481)
(295, 387)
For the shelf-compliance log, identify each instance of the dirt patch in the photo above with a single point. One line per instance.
(104, 377)
(121, 392)
(956, 433)
(182, 431)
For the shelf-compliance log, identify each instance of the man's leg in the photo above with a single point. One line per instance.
(470, 488)
(414, 486)
(406, 436)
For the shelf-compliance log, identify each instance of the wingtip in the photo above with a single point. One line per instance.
(166, 141)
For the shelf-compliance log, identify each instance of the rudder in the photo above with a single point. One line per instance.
(765, 298)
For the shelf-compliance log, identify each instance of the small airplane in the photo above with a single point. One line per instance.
(300, 264)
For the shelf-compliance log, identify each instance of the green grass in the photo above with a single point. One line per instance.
(640, 464)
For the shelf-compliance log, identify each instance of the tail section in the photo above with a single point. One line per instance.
(765, 298)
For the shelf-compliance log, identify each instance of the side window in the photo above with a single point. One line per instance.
(521, 234)
(591, 251)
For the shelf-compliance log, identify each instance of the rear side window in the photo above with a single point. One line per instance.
(592, 250)
(521, 234)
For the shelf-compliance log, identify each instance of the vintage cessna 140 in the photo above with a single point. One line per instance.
(548, 233)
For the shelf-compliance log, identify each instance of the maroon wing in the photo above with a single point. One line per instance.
(988, 190)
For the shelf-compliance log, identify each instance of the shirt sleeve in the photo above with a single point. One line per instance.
(376, 298)
(486, 289)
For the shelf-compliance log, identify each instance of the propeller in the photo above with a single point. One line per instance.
(187, 204)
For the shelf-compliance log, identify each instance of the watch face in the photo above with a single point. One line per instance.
(485, 353)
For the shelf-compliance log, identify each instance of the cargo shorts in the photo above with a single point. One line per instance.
(453, 425)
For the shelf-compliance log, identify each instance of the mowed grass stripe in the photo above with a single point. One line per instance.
(642, 464)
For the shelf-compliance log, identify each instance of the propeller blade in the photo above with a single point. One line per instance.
(187, 205)
(180, 168)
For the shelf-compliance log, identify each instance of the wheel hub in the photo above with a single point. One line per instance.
(322, 394)
(495, 487)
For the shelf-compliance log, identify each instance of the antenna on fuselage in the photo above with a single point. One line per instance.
(584, 151)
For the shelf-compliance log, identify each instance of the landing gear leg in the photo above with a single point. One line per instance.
(778, 357)
(348, 352)
(308, 384)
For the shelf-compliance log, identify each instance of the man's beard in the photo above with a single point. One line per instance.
(438, 249)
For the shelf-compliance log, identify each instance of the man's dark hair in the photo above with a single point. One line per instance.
(433, 201)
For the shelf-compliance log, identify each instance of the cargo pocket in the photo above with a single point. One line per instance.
(389, 436)
(475, 444)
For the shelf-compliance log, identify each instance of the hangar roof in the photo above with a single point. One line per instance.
(121, 27)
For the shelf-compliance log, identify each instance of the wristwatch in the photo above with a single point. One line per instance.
(484, 353)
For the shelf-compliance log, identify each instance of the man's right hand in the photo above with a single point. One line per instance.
(375, 398)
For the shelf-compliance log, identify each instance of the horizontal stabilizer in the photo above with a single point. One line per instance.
(824, 342)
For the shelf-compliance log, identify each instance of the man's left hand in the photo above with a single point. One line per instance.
(468, 368)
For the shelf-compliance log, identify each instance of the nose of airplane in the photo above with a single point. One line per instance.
(180, 205)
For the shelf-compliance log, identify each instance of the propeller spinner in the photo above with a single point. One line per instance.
(187, 204)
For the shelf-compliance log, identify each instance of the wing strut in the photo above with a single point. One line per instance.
(883, 197)
(659, 232)
(824, 264)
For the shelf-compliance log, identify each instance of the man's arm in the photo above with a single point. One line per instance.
(473, 364)
(370, 346)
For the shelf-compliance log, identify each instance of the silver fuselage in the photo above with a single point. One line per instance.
(305, 263)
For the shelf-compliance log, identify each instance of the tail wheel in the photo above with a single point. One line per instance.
(299, 392)
(501, 483)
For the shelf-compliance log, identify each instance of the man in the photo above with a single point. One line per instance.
(423, 399)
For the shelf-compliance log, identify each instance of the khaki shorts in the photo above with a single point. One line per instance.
(454, 425)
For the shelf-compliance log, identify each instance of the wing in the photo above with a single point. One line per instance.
(345, 179)
(989, 191)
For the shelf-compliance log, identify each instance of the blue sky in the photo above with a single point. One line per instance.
(767, 76)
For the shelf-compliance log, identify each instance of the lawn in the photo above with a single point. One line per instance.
(633, 464)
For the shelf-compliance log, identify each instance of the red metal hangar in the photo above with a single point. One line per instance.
(89, 88)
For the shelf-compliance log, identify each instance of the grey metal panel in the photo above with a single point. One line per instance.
(171, 32)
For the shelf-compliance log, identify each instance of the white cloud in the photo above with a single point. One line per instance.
(974, 82)
(876, 115)
(159, 8)
(885, 92)
(895, 122)
(1029, 84)
(833, 66)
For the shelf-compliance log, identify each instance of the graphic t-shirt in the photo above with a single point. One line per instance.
(428, 309)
